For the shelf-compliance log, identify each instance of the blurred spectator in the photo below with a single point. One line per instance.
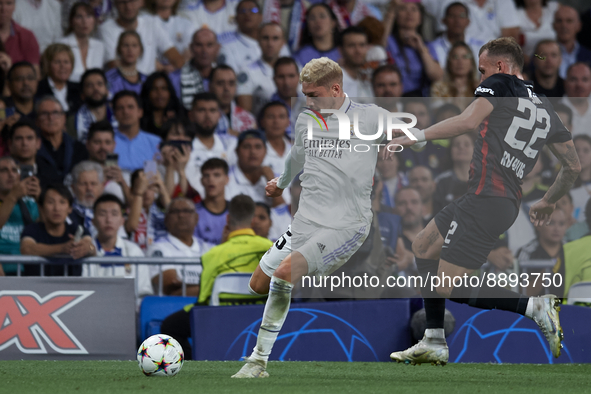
(410, 208)
(386, 82)
(234, 119)
(145, 222)
(286, 76)
(101, 8)
(217, 15)
(88, 52)
(320, 36)
(522, 230)
(432, 154)
(565, 114)
(22, 82)
(5, 65)
(575, 229)
(18, 208)
(420, 178)
(59, 152)
(207, 144)
(133, 145)
(213, 209)
(176, 152)
(179, 241)
(24, 141)
(58, 62)
(351, 12)
(250, 177)
(545, 76)
(20, 43)
(274, 121)
(392, 178)
(180, 29)
(354, 46)
(546, 246)
(53, 236)
(456, 20)
(94, 94)
(108, 220)
(43, 18)
(577, 87)
(535, 22)
(255, 80)
(100, 146)
(460, 155)
(489, 19)
(446, 111)
(583, 146)
(567, 24)
(87, 185)
(576, 256)
(240, 253)
(290, 15)
(241, 47)
(156, 42)
(160, 103)
(416, 60)
(193, 78)
(126, 75)
(460, 79)
(261, 221)
(376, 54)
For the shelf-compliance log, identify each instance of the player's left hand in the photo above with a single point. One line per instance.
(403, 140)
(540, 213)
(272, 189)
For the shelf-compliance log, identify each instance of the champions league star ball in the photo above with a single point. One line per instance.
(160, 355)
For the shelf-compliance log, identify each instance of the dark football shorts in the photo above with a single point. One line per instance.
(470, 227)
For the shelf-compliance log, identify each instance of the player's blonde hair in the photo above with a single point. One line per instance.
(322, 72)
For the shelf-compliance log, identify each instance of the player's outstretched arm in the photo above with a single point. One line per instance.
(541, 211)
(467, 121)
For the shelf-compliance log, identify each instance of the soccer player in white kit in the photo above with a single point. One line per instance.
(334, 215)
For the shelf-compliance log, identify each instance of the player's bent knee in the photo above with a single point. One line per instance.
(259, 283)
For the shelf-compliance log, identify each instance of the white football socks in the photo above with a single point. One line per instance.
(435, 333)
(274, 315)
(529, 310)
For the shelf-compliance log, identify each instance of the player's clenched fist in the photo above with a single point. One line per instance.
(272, 189)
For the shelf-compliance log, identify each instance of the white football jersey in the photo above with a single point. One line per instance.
(338, 174)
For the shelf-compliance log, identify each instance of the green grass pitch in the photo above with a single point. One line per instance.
(66, 377)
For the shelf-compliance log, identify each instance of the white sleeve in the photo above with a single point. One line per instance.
(509, 16)
(246, 85)
(294, 162)
(109, 38)
(163, 41)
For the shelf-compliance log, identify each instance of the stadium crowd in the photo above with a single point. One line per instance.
(129, 127)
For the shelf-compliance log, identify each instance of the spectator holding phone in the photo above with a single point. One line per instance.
(53, 236)
(24, 141)
(176, 151)
(18, 191)
(145, 222)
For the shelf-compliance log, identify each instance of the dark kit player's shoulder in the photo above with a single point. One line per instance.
(502, 85)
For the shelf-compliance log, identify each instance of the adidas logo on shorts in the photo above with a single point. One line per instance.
(320, 246)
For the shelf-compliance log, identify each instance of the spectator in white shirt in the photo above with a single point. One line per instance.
(217, 15)
(180, 221)
(42, 17)
(274, 121)
(255, 81)
(155, 40)
(88, 52)
(207, 144)
(108, 219)
(180, 29)
(456, 20)
(354, 46)
(535, 22)
(577, 86)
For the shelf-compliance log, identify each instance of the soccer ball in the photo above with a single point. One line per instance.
(160, 355)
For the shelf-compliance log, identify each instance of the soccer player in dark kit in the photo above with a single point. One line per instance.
(513, 125)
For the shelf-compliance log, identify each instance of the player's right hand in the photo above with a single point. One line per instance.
(541, 212)
(272, 189)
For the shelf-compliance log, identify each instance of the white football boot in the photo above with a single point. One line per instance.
(428, 350)
(545, 313)
(252, 369)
